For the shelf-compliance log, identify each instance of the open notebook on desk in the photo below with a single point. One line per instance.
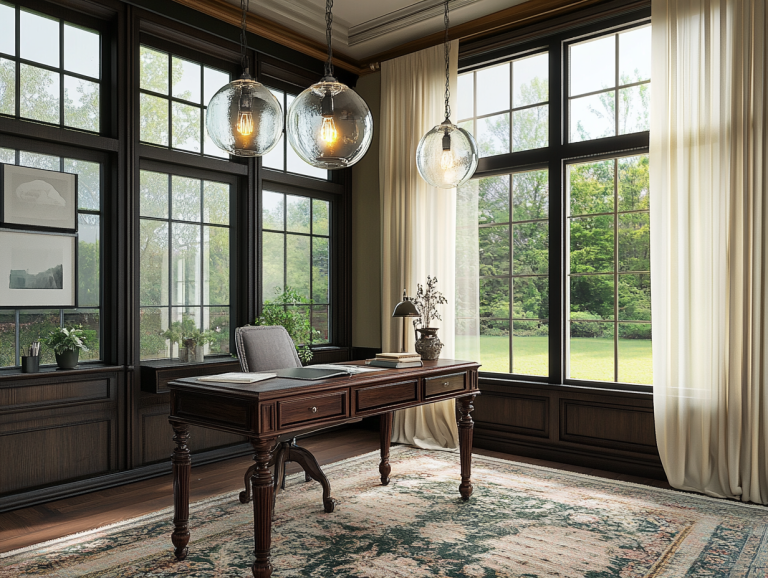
(238, 377)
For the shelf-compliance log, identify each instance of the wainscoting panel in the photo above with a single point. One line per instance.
(56, 458)
(511, 412)
(608, 425)
(587, 426)
(59, 427)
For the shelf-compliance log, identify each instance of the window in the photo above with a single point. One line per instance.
(283, 157)
(514, 263)
(295, 252)
(50, 69)
(609, 270)
(184, 259)
(174, 96)
(505, 106)
(563, 210)
(19, 328)
(603, 72)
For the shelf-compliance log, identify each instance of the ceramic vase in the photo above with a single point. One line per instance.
(428, 345)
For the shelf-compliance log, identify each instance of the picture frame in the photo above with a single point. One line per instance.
(38, 199)
(38, 270)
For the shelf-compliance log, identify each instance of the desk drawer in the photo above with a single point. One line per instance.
(434, 386)
(376, 396)
(312, 408)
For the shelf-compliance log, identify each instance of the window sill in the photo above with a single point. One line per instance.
(586, 387)
(15, 374)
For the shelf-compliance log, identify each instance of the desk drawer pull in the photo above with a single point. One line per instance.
(313, 409)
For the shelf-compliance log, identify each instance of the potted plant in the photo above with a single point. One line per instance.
(428, 345)
(291, 310)
(66, 344)
(186, 334)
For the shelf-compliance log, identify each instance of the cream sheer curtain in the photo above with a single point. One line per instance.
(708, 248)
(418, 223)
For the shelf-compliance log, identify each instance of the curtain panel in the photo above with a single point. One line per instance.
(708, 246)
(418, 223)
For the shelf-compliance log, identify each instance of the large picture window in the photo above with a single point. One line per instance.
(20, 327)
(573, 196)
(184, 260)
(50, 69)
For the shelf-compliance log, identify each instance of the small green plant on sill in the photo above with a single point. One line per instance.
(187, 333)
(291, 310)
(63, 339)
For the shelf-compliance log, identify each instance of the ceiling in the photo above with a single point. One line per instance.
(362, 28)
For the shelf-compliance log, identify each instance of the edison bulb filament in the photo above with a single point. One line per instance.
(328, 131)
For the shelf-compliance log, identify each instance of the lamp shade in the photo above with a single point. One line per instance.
(447, 156)
(329, 125)
(244, 118)
(405, 308)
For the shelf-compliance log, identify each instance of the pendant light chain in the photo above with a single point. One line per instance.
(328, 32)
(447, 71)
(244, 36)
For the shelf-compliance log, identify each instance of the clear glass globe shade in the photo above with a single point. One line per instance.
(447, 169)
(329, 125)
(244, 118)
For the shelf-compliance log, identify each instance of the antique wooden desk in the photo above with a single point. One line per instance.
(265, 410)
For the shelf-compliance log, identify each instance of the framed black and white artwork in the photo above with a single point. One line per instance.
(38, 270)
(35, 198)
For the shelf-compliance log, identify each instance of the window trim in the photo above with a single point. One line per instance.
(555, 39)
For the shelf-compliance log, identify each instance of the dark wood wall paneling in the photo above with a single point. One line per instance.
(600, 428)
(63, 433)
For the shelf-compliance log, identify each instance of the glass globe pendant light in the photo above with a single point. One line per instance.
(447, 155)
(244, 118)
(329, 125)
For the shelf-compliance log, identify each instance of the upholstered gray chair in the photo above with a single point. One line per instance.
(267, 348)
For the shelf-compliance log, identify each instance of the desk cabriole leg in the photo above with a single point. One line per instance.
(262, 485)
(182, 464)
(385, 436)
(466, 427)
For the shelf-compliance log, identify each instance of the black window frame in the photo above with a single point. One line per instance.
(77, 18)
(554, 38)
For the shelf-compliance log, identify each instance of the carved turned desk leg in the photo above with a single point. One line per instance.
(262, 484)
(466, 426)
(385, 435)
(182, 464)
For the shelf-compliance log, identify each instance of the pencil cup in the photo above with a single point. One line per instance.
(30, 364)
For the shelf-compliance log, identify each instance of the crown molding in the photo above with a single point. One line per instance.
(273, 31)
(505, 20)
(400, 19)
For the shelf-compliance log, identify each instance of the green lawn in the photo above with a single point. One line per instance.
(589, 359)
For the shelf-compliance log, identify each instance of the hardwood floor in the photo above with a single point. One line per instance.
(53, 520)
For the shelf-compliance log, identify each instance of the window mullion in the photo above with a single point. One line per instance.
(557, 213)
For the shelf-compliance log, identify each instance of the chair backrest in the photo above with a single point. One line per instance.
(265, 348)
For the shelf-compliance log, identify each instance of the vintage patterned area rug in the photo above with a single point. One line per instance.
(522, 521)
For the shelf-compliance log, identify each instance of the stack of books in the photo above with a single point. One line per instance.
(395, 360)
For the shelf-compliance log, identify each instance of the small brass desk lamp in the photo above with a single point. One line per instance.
(405, 308)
